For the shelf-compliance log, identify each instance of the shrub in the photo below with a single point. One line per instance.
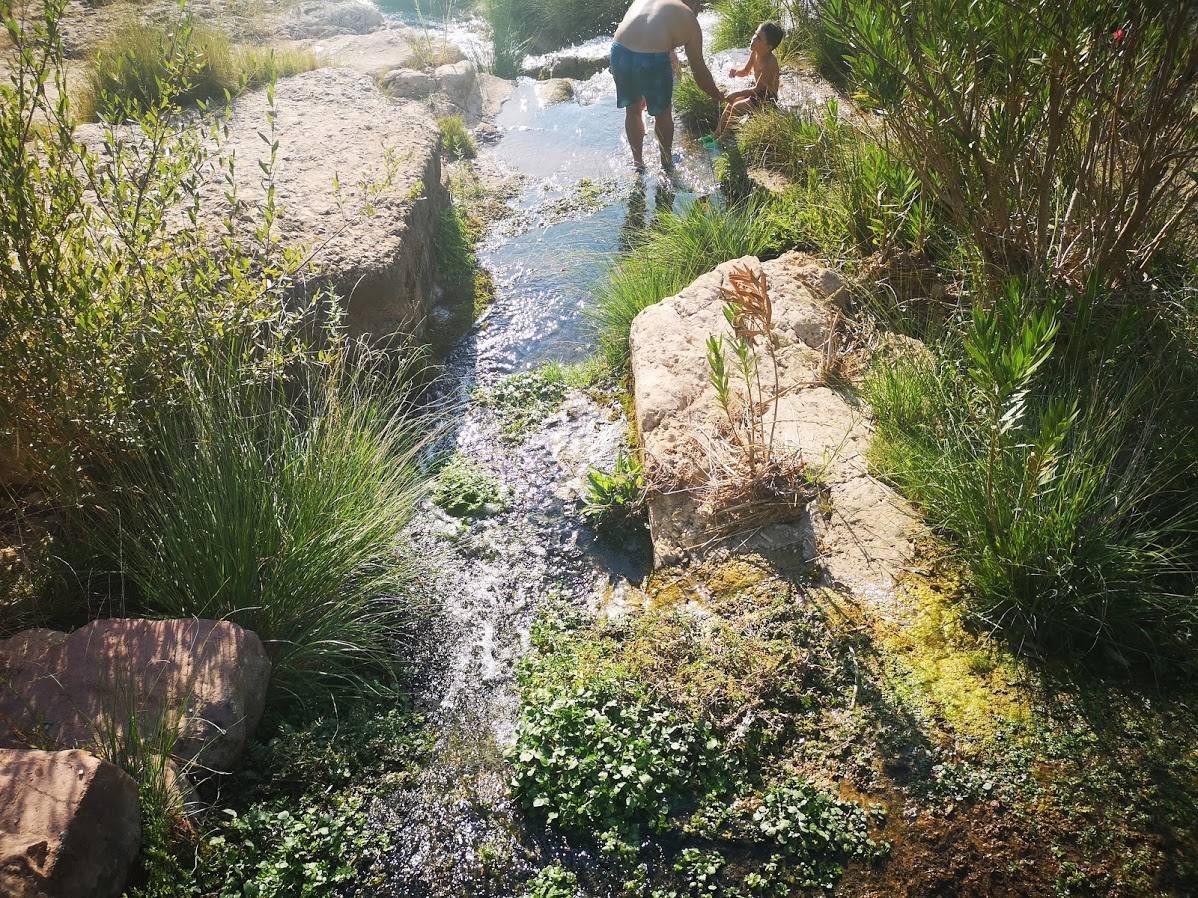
(676, 251)
(281, 512)
(108, 304)
(605, 757)
(696, 110)
(1061, 136)
(456, 141)
(142, 64)
(1065, 483)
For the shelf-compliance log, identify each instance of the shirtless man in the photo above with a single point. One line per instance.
(641, 64)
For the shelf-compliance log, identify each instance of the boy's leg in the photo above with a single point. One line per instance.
(634, 128)
(663, 127)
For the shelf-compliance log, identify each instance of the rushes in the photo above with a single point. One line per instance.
(284, 517)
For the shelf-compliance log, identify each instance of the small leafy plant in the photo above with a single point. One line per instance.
(607, 757)
(816, 831)
(749, 313)
(616, 497)
(456, 141)
(521, 401)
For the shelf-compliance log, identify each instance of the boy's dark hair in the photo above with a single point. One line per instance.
(773, 34)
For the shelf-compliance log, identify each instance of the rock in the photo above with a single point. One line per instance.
(868, 535)
(408, 84)
(579, 62)
(383, 51)
(555, 90)
(332, 17)
(457, 82)
(59, 689)
(373, 234)
(70, 826)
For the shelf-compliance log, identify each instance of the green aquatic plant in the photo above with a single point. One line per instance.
(816, 832)
(606, 757)
(465, 490)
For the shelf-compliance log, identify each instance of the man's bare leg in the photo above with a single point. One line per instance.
(634, 127)
(663, 126)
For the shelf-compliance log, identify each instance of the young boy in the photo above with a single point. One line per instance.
(763, 66)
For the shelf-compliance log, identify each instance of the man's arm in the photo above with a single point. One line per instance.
(699, 70)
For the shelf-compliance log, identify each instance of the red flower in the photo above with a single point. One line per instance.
(1118, 35)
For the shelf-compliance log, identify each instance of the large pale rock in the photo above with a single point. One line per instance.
(332, 17)
(358, 181)
(579, 62)
(383, 51)
(866, 537)
(408, 84)
(207, 678)
(69, 825)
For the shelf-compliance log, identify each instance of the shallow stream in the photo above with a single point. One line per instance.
(577, 204)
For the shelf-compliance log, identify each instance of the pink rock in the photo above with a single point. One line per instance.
(69, 825)
(206, 678)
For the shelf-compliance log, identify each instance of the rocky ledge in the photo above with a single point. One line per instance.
(855, 528)
(358, 183)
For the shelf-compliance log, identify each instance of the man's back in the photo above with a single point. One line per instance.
(657, 26)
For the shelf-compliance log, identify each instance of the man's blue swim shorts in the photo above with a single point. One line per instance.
(642, 75)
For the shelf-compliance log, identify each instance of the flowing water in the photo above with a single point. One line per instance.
(579, 203)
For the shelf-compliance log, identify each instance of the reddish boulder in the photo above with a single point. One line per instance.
(69, 825)
(206, 678)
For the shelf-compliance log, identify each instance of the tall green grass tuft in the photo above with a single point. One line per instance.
(142, 63)
(697, 111)
(456, 142)
(279, 506)
(739, 20)
(1067, 484)
(675, 251)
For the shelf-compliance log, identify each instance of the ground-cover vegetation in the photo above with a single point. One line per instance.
(792, 736)
(191, 62)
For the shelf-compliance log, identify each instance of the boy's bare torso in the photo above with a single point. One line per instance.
(657, 26)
